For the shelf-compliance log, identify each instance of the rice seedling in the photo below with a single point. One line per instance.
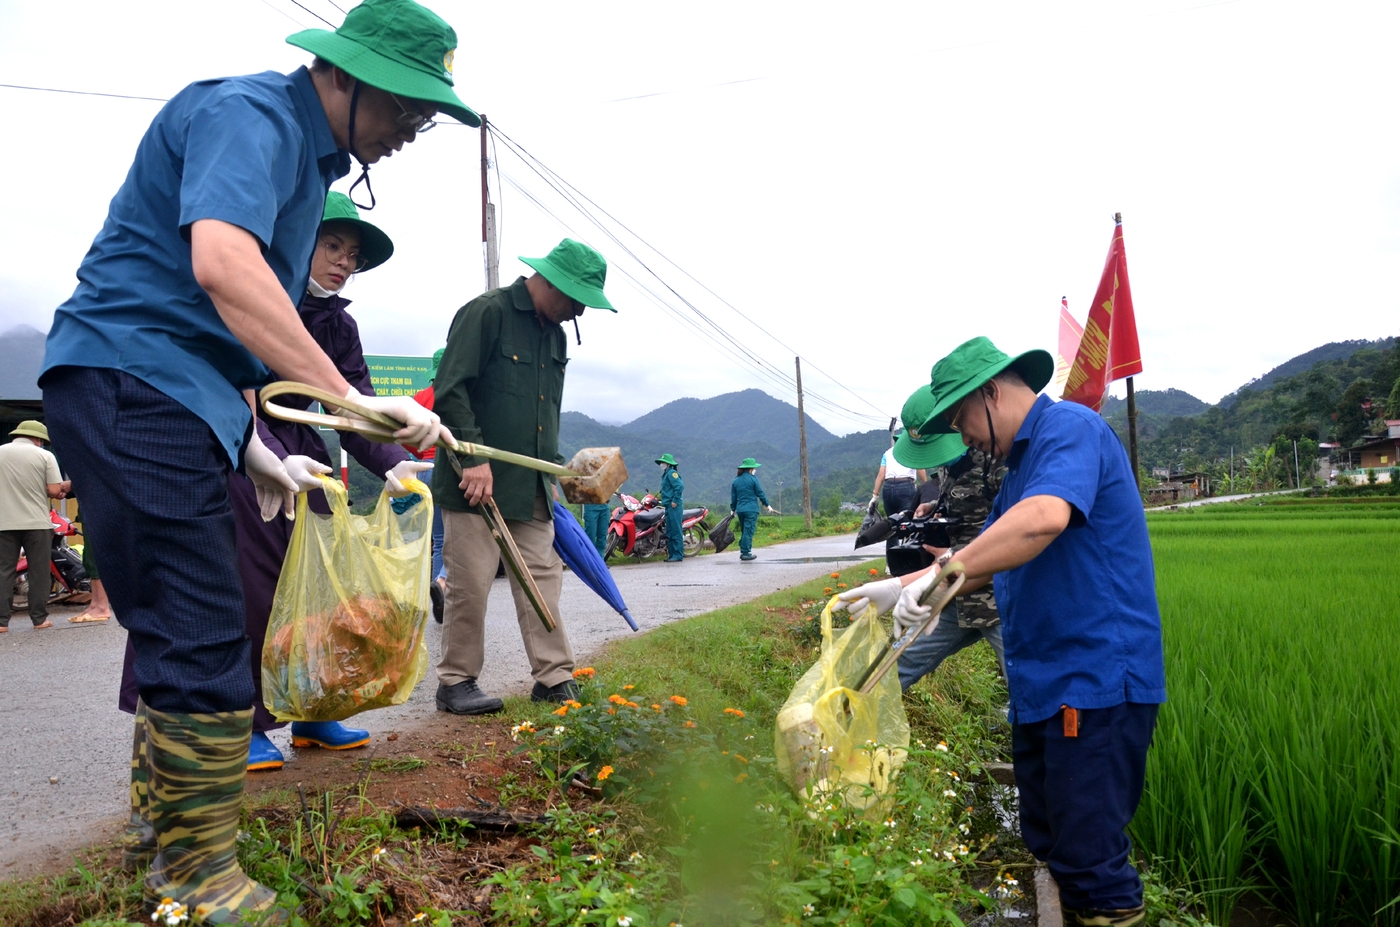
(1274, 766)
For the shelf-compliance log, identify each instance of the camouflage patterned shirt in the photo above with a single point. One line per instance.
(969, 497)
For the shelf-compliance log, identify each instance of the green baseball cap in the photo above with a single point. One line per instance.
(375, 246)
(924, 451)
(668, 460)
(749, 464)
(397, 46)
(577, 271)
(437, 361)
(973, 363)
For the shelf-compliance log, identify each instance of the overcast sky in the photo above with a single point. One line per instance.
(871, 183)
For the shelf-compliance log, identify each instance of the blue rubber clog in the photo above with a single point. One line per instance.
(263, 754)
(329, 734)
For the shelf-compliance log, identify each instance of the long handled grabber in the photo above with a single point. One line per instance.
(940, 594)
(380, 427)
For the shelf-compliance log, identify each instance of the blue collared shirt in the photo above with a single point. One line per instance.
(254, 151)
(1080, 621)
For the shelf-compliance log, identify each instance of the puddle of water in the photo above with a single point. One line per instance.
(845, 559)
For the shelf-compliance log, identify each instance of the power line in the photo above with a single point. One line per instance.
(314, 13)
(86, 93)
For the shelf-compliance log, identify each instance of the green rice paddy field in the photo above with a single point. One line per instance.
(1276, 765)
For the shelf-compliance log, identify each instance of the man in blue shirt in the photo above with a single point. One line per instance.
(1067, 544)
(185, 302)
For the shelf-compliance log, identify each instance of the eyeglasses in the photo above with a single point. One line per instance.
(336, 252)
(955, 422)
(416, 122)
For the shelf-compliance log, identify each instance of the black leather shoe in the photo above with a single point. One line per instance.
(466, 698)
(439, 600)
(558, 693)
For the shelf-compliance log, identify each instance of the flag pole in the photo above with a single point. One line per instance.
(1132, 409)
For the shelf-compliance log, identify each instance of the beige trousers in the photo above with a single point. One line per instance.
(471, 555)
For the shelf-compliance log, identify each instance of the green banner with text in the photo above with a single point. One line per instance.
(398, 375)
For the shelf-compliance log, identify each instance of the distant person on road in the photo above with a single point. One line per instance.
(501, 384)
(596, 521)
(100, 608)
(437, 592)
(29, 478)
(672, 499)
(745, 493)
(896, 484)
(1066, 545)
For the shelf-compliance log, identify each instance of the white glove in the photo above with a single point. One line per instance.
(883, 595)
(770, 509)
(404, 470)
(305, 471)
(908, 612)
(422, 428)
(276, 490)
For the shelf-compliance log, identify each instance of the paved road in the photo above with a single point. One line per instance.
(59, 717)
(1212, 500)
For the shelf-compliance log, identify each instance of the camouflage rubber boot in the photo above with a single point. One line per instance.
(139, 840)
(197, 765)
(1126, 917)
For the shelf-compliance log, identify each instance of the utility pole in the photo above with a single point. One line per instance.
(802, 449)
(1297, 471)
(488, 218)
(892, 424)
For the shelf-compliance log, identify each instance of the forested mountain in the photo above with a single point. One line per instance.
(21, 356)
(733, 418)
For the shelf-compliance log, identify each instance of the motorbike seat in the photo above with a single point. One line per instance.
(692, 513)
(650, 516)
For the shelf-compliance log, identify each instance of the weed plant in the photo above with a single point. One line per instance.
(1275, 765)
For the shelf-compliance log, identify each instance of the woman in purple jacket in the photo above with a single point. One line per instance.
(347, 245)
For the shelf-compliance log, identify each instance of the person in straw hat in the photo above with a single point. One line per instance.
(29, 478)
(745, 493)
(501, 383)
(1066, 545)
(185, 303)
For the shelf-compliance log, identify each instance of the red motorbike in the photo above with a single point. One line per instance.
(638, 528)
(66, 574)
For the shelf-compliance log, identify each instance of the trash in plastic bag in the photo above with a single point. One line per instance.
(722, 535)
(873, 528)
(829, 737)
(346, 630)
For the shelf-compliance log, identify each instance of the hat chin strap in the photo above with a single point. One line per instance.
(364, 168)
(576, 334)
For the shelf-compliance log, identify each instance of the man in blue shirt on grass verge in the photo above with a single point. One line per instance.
(1066, 544)
(185, 303)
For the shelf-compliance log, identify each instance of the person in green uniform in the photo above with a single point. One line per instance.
(501, 382)
(744, 495)
(672, 489)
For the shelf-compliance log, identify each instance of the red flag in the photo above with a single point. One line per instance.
(1109, 349)
(1068, 346)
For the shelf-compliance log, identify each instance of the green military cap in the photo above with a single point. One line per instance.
(749, 464)
(920, 450)
(375, 246)
(577, 271)
(32, 429)
(398, 46)
(972, 364)
(668, 460)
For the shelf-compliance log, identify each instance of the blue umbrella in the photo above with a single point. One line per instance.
(576, 549)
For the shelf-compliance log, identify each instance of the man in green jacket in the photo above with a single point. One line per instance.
(744, 495)
(500, 383)
(672, 493)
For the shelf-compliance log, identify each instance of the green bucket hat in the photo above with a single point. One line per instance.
(668, 460)
(921, 451)
(749, 464)
(397, 46)
(437, 360)
(973, 363)
(577, 271)
(31, 429)
(375, 246)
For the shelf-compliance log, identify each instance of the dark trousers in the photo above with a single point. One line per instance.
(675, 536)
(155, 495)
(596, 521)
(37, 544)
(1077, 795)
(748, 522)
(898, 495)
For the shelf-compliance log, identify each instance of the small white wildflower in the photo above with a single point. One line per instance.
(962, 850)
(559, 729)
(808, 910)
(379, 853)
(624, 922)
(964, 828)
(942, 747)
(947, 854)
(635, 858)
(631, 891)
(918, 861)
(171, 912)
(419, 918)
(242, 837)
(592, 831)
(890, 822)
(949, 793)
(594, 858)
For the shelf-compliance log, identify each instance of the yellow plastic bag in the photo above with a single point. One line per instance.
(347, 623)
(832, 739)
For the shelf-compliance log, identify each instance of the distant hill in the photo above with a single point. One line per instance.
(748, 415)
(21, 356)
(1166, 402)
(1332, 351)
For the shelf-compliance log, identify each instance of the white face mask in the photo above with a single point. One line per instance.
(315, 289)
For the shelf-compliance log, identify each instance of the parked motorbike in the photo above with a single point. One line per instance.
(638, 527)
(67, 577)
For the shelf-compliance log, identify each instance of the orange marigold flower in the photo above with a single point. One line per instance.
(625, 688)
(740, 758)
(585, 672)
(741, 777)
(835, 575)
(631, 705)
(604, 773)
(617, 699)
(561, 711)
(655, 707)
(612, 711)
(573, 704)
(690, 724)
(874, 572)
(840, 585)
(827, 590)
(734, 711)
(679, 700)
